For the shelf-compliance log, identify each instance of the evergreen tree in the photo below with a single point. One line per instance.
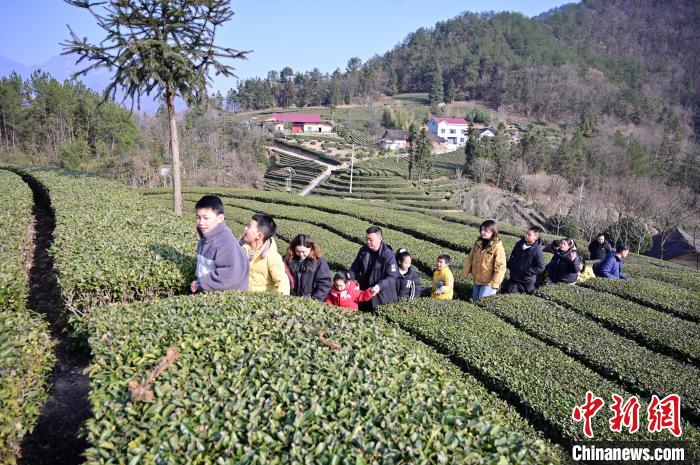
(161, 47)
(501, 152)
(436, 88)
(422, 154)
(471, 148)
(393, 87)
(412, 137)
(450, 91)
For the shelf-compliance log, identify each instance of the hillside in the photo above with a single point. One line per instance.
(617, 78)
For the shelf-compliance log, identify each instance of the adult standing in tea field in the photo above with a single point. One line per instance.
(310, 272)
(486, 261)
(375, 268)
(565, 265)
(599, 247)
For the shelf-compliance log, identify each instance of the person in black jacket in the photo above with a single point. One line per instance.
(525, 263)
(599, 247)
(375, 268)
(408, 282)
(309, 270)
(566, 263)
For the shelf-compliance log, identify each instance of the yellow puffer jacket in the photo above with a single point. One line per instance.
(586, 274)
(267, 272)
(447, 281)
(487, 265)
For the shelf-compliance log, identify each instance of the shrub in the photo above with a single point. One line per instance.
(639, 369)
(539, 378)
(657, 330)
(258, 381)
(26, 355)
(661, 296)
(111, 244)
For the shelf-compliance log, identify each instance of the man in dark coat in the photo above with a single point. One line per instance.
(599, 247)
(375, 268)
(525, 263)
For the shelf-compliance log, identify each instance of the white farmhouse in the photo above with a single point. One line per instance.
(453, 130)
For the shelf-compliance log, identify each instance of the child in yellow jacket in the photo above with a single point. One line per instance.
(267, 272)
(443, 279)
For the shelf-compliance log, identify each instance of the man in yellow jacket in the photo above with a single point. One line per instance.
(486, 261)
(267, 272)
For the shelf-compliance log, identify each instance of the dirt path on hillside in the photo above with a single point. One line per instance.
(55, 439)
(318, 179)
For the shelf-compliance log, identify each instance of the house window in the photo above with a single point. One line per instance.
(461, 139)
(464, 131)
(442, 131)
(453, 131)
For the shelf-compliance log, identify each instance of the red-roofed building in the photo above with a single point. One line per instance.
(453, 130)
(301, 122)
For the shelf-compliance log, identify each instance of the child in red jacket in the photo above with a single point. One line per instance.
(346, 293)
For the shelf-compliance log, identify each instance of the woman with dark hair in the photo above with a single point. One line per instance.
(565, 265)
(486, 261)
(309, 271)
(408, 283)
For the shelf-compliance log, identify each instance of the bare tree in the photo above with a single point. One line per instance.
(513, 174)
(534, 185)
(556, 186)
(481, 169)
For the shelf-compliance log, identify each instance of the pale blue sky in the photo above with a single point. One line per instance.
(302, 34)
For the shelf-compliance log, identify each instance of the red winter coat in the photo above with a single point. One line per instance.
(350, 297)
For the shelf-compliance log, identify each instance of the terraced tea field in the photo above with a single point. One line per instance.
(253, 378)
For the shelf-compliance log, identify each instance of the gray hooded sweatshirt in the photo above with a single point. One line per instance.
(221, 262)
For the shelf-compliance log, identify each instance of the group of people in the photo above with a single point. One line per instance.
(379, 276)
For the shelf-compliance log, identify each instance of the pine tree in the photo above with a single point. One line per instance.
(393, 82)
(436, 87)
(450, 91)
(470, 149)
(157, 47)
(501, 152)
(422, 154)
(412, 137)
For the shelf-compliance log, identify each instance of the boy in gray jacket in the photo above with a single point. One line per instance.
(221, 262)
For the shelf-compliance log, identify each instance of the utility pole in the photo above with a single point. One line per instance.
(352, 165)
(291, 171)
(580, 199)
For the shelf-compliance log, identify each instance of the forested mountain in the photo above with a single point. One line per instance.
(618, 77)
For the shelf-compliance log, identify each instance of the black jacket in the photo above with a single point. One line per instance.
(371, 268)
(599, 251)
(408, 285)
(312, 278)
(562, 269)
(526, 264)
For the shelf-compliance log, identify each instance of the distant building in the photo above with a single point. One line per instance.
(453, 130)
(439, 145)
(394, 139)
(680, 247)
(301, 122)
(486, 132)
